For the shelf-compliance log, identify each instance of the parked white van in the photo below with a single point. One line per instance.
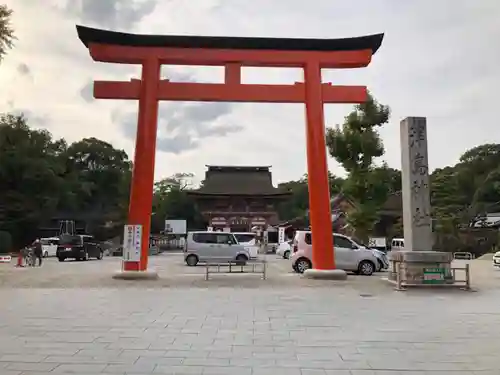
(249, 240)
(49, 246)
(203, 247)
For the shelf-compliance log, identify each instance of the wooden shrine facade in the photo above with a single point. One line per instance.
(239, 198)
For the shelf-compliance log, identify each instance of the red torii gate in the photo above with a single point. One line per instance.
(152, 51)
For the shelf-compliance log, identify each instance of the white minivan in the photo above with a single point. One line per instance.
(249, 240)
(208, 247)
(49, 246)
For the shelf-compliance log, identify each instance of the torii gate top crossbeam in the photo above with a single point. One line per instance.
(272, 52)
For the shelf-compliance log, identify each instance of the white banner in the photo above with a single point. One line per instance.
(5, 258)
(281, 234)
(132, 241)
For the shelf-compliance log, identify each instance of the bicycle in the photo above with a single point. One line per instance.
(29, 257)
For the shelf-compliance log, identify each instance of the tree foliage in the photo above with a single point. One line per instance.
(298, 205)
(31, 175)
(356, 146)
(6, 31)
(170, 201)
(41, 176)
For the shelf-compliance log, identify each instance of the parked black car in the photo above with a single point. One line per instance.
(79, 247)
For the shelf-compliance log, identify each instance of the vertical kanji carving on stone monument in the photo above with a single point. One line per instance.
(417, 219)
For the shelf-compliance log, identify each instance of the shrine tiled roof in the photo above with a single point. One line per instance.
(238, 180)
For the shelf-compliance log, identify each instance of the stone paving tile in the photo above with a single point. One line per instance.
(26, 366)
(28, 357)
(79, 368)
(276, 331)
(178, 370)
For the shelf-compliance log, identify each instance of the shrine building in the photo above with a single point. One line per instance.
(238, 198)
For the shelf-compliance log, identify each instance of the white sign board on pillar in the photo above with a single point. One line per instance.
(132, 241)
(281, 234)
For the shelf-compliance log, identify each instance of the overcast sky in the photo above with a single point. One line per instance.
(439, 59)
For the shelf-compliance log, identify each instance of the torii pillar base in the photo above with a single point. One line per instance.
(136, 275)
(325, 274)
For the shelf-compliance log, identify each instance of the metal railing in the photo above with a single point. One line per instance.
(237, 267)
(402, 283)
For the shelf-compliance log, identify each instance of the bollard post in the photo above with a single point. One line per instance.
(398, 277)
(467, 277)
(19, 259)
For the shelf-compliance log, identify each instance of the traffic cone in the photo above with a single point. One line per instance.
(19, 260)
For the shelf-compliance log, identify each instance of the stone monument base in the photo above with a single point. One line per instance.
(325, 274)
(416, 266)
(136, 275)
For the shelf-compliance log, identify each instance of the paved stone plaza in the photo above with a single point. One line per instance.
(362, 328)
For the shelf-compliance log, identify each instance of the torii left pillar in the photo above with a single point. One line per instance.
(141, 191)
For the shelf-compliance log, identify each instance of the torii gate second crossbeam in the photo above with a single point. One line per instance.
(153, 51)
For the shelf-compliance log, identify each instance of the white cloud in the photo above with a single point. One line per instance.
(438, 59)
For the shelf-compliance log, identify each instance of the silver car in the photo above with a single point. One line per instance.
(349, 256)
(207, 247)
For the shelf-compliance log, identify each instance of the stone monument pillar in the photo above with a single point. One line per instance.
(417, 256)
(415, 185)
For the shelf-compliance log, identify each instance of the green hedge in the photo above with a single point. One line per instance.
(5, 242)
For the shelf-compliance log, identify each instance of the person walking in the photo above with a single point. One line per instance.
(38, 251)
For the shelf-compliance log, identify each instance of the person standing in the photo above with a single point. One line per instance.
(38, 251)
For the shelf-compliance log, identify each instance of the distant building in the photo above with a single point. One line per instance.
(238, 198)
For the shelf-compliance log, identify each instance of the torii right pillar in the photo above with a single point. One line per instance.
(323, 258)
(417, 264)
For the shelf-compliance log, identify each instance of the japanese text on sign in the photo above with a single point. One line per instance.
(420, 171)
(417, 135)
(132, 243)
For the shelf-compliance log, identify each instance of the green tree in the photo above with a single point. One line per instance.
(6, 31)
(478, 177)
(389, 177)
(298, 205)
(356, 146)
(31, 183)
(170, 201)
(468, 189)
(98, 175)
(449, 204)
